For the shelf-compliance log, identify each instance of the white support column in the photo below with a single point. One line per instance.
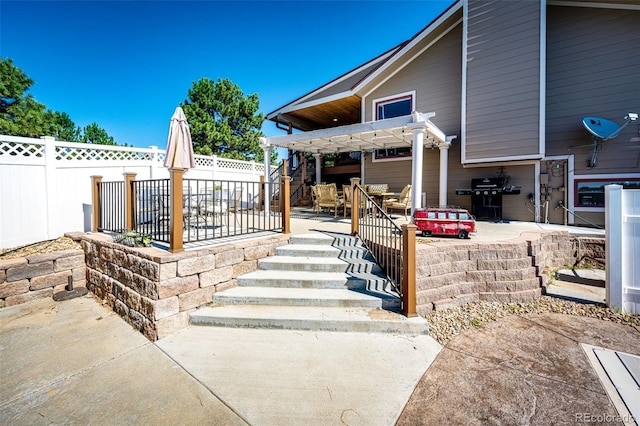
(416, 166)
(318, 158)
(363, 158)
(613, 217)
(444, 170)
(266, 147)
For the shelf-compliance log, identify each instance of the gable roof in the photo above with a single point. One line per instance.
(351, 83)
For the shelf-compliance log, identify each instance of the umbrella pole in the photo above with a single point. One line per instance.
(176, 224)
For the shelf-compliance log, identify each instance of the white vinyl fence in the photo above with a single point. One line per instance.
(622, 218)
(45, 185)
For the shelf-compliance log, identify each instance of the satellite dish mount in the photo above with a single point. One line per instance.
(603, 130)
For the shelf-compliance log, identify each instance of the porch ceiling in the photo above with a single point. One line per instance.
(340, 111)
(390, 133)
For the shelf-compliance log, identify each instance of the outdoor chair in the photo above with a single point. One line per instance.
(235, 203)
(327, 196)
(211, 208)
(403, 202)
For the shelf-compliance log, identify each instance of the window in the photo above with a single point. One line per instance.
(590, 192)
(394, 106)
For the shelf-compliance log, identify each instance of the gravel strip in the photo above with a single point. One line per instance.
(445, 325)
(60, 244)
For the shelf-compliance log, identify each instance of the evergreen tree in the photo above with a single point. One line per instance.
(223, 121)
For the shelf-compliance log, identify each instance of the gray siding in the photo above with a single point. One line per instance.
(435, 76)
(397, 174)
(593, 69)
(503, 83)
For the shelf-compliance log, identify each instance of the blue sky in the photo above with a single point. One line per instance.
(127, 64)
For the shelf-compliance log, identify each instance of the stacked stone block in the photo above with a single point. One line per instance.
(40, 276)
(155, 291)
(450, 274)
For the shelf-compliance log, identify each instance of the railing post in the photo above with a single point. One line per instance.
(355, 213)
(261, 193)
(95, 180)
(129, 202)
(409, 270)
(285, 203)
(284, 167)
(176, 224)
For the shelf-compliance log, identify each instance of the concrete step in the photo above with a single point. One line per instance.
(580, 292)
(310, 264)
(275, 296)
(316, 238)
(300, 279)
(307, 250)
(593, 277)
(309, 318)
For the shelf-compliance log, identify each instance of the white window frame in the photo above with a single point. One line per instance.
(374, 113)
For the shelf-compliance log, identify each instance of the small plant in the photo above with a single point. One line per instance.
(133, 239)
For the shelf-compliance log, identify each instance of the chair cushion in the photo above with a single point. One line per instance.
(377, 188)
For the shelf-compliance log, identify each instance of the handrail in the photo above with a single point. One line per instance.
(381, 236)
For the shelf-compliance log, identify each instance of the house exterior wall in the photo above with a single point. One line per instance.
(593, 69)
(502, 81)
(435, 76)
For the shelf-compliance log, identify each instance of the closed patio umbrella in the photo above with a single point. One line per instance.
(179, 148)
(179, 157)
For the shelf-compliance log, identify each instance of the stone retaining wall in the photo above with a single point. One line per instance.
(154, 290)
(518, 270)
(40, 276)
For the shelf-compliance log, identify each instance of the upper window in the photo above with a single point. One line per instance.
(393, 106)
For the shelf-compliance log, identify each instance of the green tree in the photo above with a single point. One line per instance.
(93, 133)
(22, 115)
(223, 121)
(64, 129)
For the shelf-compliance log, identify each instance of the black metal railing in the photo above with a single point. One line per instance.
(151, 205)
(111, 206)
(211, 209)
(381, 236)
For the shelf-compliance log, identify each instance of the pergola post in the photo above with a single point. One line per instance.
(318, 158)
(419, 129)
(444, 170)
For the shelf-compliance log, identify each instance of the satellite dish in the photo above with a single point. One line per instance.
(602, 130)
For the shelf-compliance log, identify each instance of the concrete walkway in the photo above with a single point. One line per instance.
(77, 362)
(523, 370)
